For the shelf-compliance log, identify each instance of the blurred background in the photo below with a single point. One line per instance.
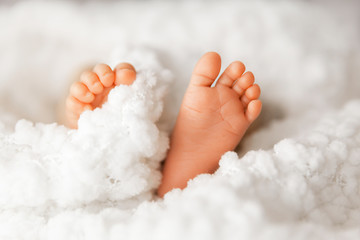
(304, 54)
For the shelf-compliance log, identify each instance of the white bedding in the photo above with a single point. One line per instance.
(296, 174)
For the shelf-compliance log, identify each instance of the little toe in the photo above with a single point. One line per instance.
(253, 110)
(231, 73)
(244, 82)
(81, 92)
(206, 70)
(75, 106)
(125, 74)
(105, 74)
(71, 119)
(92, 82)
(253, 92)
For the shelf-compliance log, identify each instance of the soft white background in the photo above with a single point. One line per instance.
(303, 184)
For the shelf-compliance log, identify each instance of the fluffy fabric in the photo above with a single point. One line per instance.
(114, 154)
(295, 175)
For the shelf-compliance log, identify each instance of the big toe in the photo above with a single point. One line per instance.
(206, 70)
(125, 74)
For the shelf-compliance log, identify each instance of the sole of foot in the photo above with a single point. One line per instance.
(212, 120)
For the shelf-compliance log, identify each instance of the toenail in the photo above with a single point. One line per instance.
(109, 74)
(125, 70)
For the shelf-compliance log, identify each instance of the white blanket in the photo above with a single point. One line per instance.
(295, 175)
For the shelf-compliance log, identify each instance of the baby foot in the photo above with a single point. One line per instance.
(93, 88)
(211, 121)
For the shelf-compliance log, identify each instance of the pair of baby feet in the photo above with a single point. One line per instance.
(212, 119)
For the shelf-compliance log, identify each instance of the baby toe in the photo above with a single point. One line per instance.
(244, 82)
(253, 92)
(71, 120)
(92, 82)
(206, 70)
(75, 106)
(231, 73)
(81, 92)
(106, 74)
(124, 65)
(253, 110)
(245, 101)
(125, 74)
